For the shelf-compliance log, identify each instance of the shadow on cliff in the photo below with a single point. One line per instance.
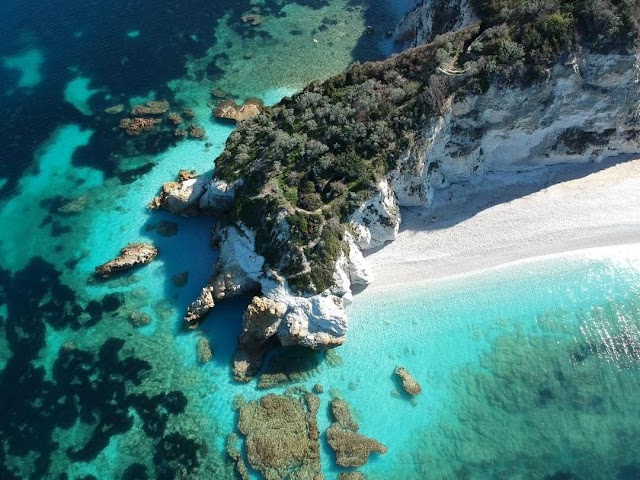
(494, 189)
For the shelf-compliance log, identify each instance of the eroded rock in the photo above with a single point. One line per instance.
(132, 255)
(235, 455)
(199, 307)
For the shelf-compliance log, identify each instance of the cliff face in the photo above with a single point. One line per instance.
(586, 111)
(434, 17)
(307, 186)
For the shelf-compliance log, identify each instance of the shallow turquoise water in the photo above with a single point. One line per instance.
(527, 370)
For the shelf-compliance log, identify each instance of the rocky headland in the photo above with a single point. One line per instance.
(305, 187)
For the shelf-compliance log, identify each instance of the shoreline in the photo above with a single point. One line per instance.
(468, 229)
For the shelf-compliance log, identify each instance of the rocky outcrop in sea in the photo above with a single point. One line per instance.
(133, 255)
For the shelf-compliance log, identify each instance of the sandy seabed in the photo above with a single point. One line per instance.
(504, 218)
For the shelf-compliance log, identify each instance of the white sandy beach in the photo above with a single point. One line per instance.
(482, 226)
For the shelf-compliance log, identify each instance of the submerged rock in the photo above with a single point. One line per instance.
(139, 319)
(151, 108)
(351, 476)
(75, 205)
(282, 436)
(289, 365)
(232, 450)
(410, 385)
(180, 279)
(352, 449)
(130, 256)
(205, 354)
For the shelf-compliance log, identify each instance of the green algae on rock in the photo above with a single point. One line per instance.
(282, 436)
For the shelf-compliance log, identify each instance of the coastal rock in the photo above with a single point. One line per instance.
(132, 255)
(260, 322)
(410, 385)
(377, 221)
(239, 266)
(218, 197)
(181, 198)
(199, 307)
(357, 268)
(230, 110)
(351, 448)
(281, 436)
(351, 269)
(318, 322)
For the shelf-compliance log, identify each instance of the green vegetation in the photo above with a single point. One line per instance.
(525, 37)
(311, 160)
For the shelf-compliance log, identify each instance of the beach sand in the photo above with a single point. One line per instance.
(509, 217)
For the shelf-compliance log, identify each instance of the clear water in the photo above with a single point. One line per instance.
(527, 370)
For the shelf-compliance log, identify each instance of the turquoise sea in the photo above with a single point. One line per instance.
(531, 370)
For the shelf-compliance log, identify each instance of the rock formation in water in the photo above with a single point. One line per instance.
(351, 448)
(132, 255)
(303, 188)
(281, 436)
(410, 385)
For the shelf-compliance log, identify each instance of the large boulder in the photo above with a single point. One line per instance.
(410, 385)
(132, 255)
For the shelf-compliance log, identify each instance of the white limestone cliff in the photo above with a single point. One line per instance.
(585, 112)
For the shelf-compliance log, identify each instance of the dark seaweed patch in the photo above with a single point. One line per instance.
(87, 387)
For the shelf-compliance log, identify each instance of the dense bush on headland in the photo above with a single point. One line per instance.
(310, 161)
(526, 36)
